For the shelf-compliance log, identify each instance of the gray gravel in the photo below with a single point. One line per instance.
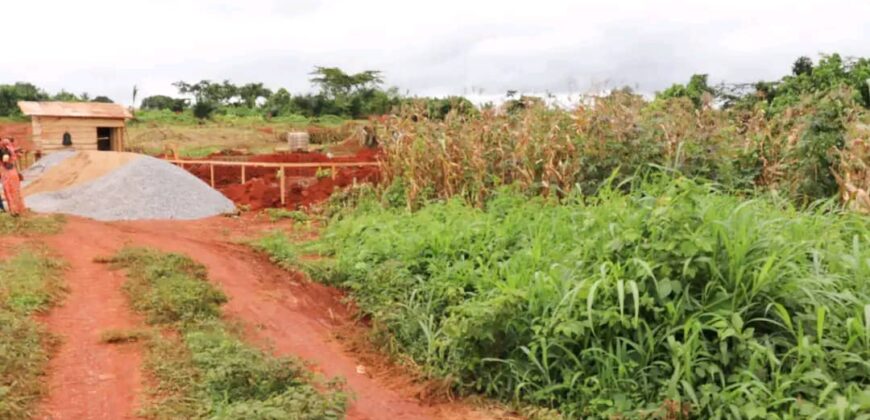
(44, 164)
(144, 189)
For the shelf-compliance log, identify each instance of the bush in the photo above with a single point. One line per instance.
(203, 110)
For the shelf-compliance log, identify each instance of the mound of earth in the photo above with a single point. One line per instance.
(119, 186)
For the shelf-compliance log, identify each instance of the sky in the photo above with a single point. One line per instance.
(475, 48)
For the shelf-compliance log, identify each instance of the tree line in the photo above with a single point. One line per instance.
(338, 93)
(359, 95)
(10, 94)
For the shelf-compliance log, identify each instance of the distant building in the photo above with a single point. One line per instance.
(77, 125)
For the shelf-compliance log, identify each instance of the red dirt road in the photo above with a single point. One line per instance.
(89, 379)
(280, 311)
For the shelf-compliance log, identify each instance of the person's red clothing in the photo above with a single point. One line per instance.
(12, 189)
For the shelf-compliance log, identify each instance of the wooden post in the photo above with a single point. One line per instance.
(243, 174)
(334, 174)
(211, 169)
(283, 187)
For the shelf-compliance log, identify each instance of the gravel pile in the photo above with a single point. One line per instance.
(144, 189)
(47, 162)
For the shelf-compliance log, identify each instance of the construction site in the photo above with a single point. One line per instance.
(325, 210)
(201, 207)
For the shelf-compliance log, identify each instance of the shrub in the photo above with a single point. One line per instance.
(203, 110)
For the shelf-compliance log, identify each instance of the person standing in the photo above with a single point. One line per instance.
(11, 179)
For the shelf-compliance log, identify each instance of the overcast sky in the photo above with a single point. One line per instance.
(423, 47)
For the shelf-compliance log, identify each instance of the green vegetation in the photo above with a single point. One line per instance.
(30, 225)
(10, 94)
(671, 298)
(29, 283)
(341, 96)
(281, 214)
(807, 141)
(208, 371)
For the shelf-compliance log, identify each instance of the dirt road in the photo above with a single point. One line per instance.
(281, 311)
(89, 379)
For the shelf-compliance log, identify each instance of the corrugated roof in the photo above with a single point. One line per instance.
(74, 109)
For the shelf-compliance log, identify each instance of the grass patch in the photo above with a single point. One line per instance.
(291, 255)
(29, 283)
(207, 371)
(276, 214)
(671, 299)
(31, 224)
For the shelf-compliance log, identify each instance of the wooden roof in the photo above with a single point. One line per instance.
(74, 109)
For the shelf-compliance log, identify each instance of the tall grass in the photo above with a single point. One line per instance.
(672, 299)
(29, 283)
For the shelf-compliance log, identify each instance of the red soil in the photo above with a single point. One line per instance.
(262, 188)
(89, 379)
(281, 311)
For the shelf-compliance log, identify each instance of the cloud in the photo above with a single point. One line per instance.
(427, 48)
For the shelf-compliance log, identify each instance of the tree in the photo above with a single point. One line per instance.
(203, 109)
(803, 65)
(696, 90)
(11, 94)
(280, 103)
(164, 102)
(65, 96)
(103, 99)
(335, 83)
(250, 92)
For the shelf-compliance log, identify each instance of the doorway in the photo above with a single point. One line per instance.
(105, 138)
